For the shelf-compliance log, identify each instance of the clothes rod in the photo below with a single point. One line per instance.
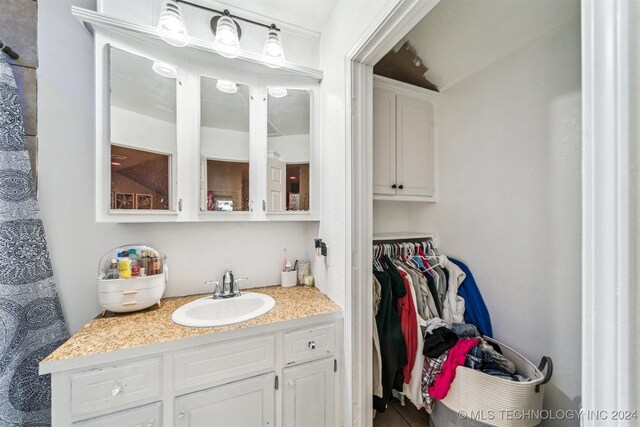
(10, 52)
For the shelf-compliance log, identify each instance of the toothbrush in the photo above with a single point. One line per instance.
(284, 261)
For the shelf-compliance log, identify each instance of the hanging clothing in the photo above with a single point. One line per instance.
(393, 349)
(377, 357)
(408, 324)
(30, 313)
(475, 309)
(457, 356)
(453, 307)
(418, 299)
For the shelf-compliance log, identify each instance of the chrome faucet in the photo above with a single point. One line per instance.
(230, 287)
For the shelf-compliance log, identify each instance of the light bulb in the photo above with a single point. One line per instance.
(227, 42)
(273, 52)
(277, 92)
(171, 26)
(226, 86)
(164, 69)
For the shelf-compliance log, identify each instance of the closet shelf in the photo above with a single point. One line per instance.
(403, 235)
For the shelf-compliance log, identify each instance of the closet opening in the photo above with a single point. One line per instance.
(471, 158)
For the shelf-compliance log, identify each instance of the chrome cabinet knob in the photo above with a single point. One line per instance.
(312, 345)
(151, 422)
(182, 414)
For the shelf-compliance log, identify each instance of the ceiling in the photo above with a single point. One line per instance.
(460, 37)
(224, 110)
(136, 87)
(308, 14)
(289, 115)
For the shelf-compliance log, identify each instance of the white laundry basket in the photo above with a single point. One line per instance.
(477, 399)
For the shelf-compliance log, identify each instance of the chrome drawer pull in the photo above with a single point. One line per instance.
(312, 345)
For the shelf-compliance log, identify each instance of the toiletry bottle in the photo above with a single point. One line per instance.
(112, 273)
(135, 271)
(135, 258)
(144, 262)
(124, 267)
(156, 268)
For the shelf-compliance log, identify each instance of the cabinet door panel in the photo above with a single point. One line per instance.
(249, 403)
(415, 148)
(309, 394)
(384, 141)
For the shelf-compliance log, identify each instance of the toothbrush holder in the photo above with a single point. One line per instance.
(289, 278)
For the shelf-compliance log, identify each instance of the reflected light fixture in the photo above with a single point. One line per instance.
(226, 86)
(164, 69)
(273, 52)
(227, 33)
(171, 26)
(277, 92)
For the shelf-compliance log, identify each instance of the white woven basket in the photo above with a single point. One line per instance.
(496, 401)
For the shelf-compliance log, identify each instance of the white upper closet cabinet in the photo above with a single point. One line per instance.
(404, 141)
(184, 134)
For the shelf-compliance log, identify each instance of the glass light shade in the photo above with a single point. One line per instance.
(273, 52)
(164, 69)
(226, 86)
(171, 25)
(277, 92)
(227, 42)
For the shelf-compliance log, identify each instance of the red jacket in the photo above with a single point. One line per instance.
(409, 326)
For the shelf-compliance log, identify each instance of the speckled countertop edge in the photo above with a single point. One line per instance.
(154, 325)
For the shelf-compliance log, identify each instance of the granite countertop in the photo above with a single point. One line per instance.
(154, 325)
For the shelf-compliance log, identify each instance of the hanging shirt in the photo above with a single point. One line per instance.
(408, 324)
(453, 307)
(377, 357)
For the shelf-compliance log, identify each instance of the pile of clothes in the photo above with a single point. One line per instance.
(461, 345)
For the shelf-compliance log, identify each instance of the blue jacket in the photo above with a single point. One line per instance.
(475, 311)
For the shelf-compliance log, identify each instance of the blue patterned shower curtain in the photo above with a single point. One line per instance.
(31, 320)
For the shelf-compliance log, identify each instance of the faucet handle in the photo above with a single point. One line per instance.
(236, 287)
(216, 288)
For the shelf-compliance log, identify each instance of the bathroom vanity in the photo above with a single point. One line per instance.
(280, 369)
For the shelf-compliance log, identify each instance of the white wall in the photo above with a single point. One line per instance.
(348, 23)
(141, 131)
(291, 148)
(224, 144)
(196, 252)
(510, 202)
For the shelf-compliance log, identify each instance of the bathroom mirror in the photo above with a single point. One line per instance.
(224, 145)
(288, 149)
(143, 133)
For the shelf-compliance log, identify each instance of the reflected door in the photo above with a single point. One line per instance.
(276, 185)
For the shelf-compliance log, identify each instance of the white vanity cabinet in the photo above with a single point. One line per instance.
(404, 141)
(284, 373)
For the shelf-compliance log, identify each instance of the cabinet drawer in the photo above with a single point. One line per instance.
(309, 343)
(115, 387)
(214, 363)
(145, 416)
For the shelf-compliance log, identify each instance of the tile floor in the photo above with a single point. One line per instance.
(397, 415)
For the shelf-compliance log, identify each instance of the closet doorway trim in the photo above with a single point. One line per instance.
(392, 24)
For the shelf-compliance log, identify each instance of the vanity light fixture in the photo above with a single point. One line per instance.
(173, 30)
(277, 92)
(226, 86)
(227, 33)
(164, 69)
(273, 52)
(171, 26)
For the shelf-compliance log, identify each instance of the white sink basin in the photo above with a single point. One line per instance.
(207, 311)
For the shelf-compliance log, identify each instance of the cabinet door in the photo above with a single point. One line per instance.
(249, 403)
(309, 398)
(384, 142)
(415, 147)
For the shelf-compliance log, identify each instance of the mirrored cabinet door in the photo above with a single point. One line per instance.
(224, 146)
(143, 134)
(288, 149)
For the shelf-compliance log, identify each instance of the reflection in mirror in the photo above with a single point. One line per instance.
(289, 148)
(143, 133)
(224, 145)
